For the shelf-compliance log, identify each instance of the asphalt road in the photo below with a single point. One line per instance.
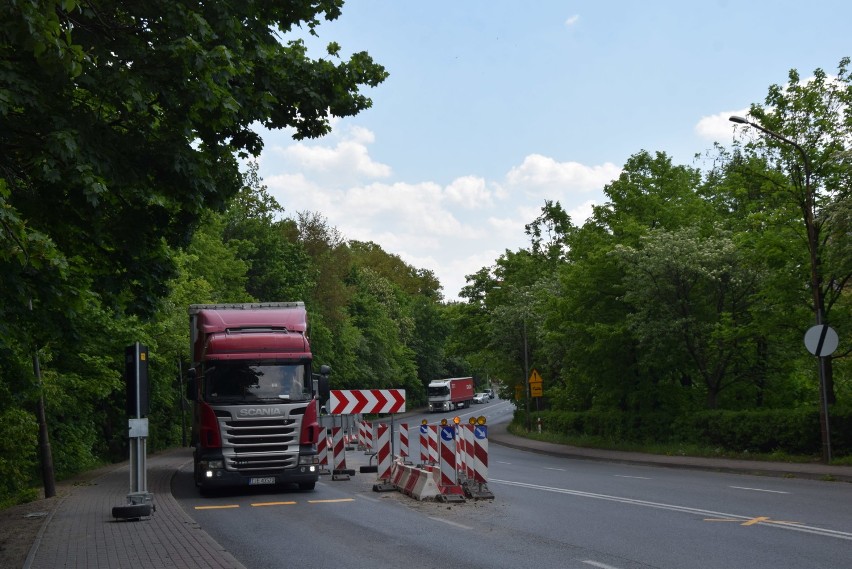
(547, 512)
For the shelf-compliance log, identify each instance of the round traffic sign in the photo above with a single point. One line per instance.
(821, 340)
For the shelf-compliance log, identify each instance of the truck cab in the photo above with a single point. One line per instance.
(255, 396)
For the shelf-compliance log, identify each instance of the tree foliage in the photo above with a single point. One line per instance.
(805, 131)
(685, 289)
(122, 128)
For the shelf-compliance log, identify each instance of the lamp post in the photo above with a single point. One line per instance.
(526, 374)
(816, 284)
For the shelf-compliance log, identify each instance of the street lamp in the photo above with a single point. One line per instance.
(816, 287)
(526, 374)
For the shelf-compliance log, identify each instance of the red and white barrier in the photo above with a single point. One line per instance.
(339, 471)
(322, 452)
(399, 475)
(480, 462)
(434, 453)
(419, 483)
(403, 440)
(362, 435)
(383, 455)
(465, 451)
(462, 469)
(448, 482)
(365, 432)
(476, 484)
(424, 444)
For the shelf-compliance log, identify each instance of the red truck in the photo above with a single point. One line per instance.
(450, 394)
(255, 397)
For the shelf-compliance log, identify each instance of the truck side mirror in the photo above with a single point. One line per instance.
(191, 390)
(323, 383)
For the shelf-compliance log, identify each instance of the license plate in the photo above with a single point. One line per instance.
(264, 480)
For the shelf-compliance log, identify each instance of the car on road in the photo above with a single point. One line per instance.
(481, 398)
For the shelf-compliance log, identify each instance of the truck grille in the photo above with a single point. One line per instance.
(259, 444)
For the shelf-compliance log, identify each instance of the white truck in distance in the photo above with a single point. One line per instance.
(450, 394)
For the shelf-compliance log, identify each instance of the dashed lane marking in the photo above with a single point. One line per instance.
(266, 504)
(600, 565)
(758, 490)
(331, 501)
(448, 522)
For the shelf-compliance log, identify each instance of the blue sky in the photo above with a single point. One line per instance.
(493, 107)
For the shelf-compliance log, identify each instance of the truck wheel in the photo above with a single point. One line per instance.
(307, 486)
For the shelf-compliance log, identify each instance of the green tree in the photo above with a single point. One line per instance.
(278, 265)
(417, 306)
(122, 123)
(586, 336)
(691, 299)
(383, 356)
(744, 191)
(812, 125)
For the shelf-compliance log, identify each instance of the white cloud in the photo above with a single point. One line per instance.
(718, 127)
(348, 162)
(545, 176)
(581, 213)
(452, 230)
(295, 192)
(572, 20)
(469, 192)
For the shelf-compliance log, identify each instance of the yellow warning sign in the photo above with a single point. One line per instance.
(535, 377)
(536, 390)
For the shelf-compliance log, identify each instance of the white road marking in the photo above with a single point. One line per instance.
(559, 469)
(758, 490)
(636, 477)
(683, 509)
(450, 523)
(596, 564)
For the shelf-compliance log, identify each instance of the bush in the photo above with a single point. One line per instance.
(793, 431)
(18, 460)
(786, 431)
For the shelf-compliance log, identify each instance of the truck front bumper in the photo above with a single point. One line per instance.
(211, 473)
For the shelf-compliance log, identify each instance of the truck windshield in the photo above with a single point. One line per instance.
(252, 381)
(441, 391)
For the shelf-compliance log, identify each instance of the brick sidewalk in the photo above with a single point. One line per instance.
(81, 532)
